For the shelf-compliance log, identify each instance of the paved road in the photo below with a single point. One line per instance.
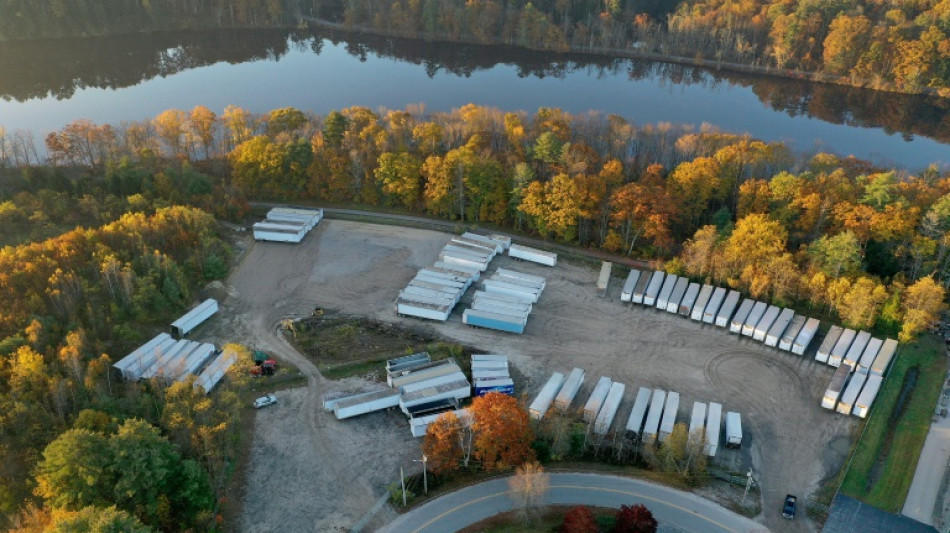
(921, 499)
(673, 509)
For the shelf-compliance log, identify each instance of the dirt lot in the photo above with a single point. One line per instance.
(310, 472)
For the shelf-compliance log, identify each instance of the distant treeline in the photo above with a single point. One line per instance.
(902, 45)
(45, 19)
(832, 234)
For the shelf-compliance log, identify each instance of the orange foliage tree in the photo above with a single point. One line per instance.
(502, 436)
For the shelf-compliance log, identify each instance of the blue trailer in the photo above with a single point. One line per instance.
(485, 319)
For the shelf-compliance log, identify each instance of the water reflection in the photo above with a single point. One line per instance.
(59, 68)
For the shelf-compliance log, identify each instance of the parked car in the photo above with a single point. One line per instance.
(264, 401)
(788, 509)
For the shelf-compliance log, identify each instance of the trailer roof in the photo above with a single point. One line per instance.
(883, 359)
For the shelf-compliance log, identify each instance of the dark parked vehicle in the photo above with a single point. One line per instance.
(788, 510)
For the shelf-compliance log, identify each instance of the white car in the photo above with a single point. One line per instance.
(264, 401)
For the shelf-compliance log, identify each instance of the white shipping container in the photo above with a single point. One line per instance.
(458, 390)
(471, 272)
(870, 353)
(697, 423)
(669, 415)
(778, 327)
(423, 373)
(640, 405)
(701, 302)
(531, 254)
(689, 299)
(765, 323)
(664, 297)
(713, 428)
(653, 288)
(724, 316)
(715, 302)
(569, 390)
(215, 370)
(522, 275)
(679, 290)
(426, 310)
(805, 336)
(836, 387)
(626, 294)
(518, 291)
(542, 402)
(755, 316)
(596, 400)
(883, 359)
(603, 280)
(489, 357)
(517, 280)
(791, 332)
(863, 404)
(609, 410)
(738, 320)
(193, 318)
(652, 426)
(488, 241)
(469, 262)
(733, 430)
(828, 344)
(433, 381)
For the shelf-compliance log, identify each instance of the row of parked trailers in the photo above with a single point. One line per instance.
(776, 327)
(861, 362)
(172, 360)
(506, 301)
(652, 418)
(287, 224)
(434, 291)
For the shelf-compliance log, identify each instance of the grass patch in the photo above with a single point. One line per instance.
(885, 459)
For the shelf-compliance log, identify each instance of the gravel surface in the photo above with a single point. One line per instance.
(310, 472)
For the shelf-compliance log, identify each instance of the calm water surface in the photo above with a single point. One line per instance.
(49, 84)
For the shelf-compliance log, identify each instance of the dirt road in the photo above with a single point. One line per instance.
(311, 472)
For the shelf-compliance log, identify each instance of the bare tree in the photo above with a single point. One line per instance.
(528, 487)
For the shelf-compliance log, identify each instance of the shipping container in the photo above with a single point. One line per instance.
(853, 356)
(713, 428)
(679, 290)
(603, 279)
(215, 370)
(866, 399)
(193, 318)
(489, 365)
(805, 336)
(884, 357)
(596, 400)
(330, 399)
(459, 270)
(420, 426)
(870, 353)
(702, 300)
(791, 332)
(362, 405)
(663, 298)
(190, 365)
(168, 357)
(724, 316)
(519, 315)
(755, 316)
(485, 249)
(517, 291)
(489, 357)
(458, 390)
(777, 330)
(422, 309)
(828, 344)
(432, 381)
(531, 254)
(738, 320)
(653, 288)
(458, 260)
(493, 373)
(733, 430)
(137, 363)
(715, 302)
(605, 418)
(841, 347)
(765, 323)
(640, 405)
(496, 321)
(486, 241)
(423, 372)
(836, 387)
(642, 282)
(518, 280)
(697, 423)
(569, 390)
(669, 415)
(407, 361)
(516, 274)
(278, 235)
(851, 392)
(652, 426)
(503, 240)
(501, 385)
(626, 294)
(467, 254)
(543, 401)
(689, 299)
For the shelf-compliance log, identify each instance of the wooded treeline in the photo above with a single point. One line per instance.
(868, 43)
(83, 450)
(838, 235)
(45, 19)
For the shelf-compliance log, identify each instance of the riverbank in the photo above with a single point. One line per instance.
(639, 53)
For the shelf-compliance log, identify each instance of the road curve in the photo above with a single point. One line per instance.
(674, 510)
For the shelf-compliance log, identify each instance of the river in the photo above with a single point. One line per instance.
(47, 84)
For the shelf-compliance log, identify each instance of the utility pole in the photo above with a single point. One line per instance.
(425, 474)
(402, 480)
(748, 485)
